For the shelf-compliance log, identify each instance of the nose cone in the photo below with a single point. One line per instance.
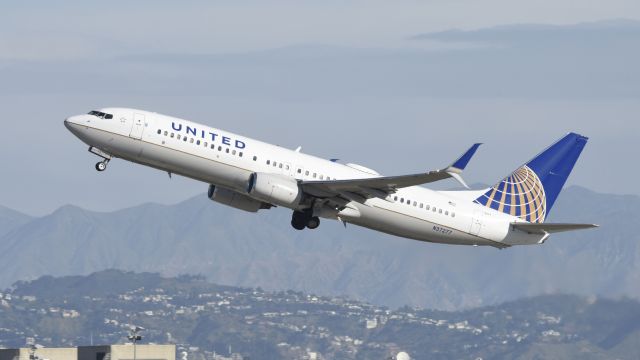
(72, 123)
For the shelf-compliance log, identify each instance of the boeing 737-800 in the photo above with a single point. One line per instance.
(251, 175)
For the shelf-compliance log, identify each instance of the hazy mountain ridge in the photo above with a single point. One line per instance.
(580, 61)
(230, 247)
(11, 219)
(522, 34)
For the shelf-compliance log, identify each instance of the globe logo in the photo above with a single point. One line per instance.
(521, 195)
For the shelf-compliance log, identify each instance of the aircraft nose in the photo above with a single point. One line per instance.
(72, 124)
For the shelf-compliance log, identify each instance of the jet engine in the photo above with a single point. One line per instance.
(275, 189)
(235, 199)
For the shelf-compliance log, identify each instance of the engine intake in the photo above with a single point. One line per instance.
(235, 199)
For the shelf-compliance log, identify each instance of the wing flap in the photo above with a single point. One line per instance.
(382, 186)
(548, 228)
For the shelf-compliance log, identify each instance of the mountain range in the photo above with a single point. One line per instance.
(231, 247)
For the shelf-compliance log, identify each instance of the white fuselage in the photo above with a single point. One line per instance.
(227, 160)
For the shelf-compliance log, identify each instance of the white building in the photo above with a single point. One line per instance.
(107, 352)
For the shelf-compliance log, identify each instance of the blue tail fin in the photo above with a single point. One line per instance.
(530, 192)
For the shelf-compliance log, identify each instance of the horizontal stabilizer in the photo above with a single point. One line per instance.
(548, 228)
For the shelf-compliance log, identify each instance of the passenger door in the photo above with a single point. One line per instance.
(138, 126)
(476, 222)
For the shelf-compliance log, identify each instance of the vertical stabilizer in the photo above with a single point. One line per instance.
(530, 192)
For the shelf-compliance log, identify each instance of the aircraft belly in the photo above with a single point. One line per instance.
(402, 225)
(172, 160)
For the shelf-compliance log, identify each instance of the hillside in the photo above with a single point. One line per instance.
(204, 318)
(230, 247)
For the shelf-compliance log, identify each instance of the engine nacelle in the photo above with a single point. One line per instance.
(235, 199)
(275, 189)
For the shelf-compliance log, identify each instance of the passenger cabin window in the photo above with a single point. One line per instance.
(255, 158)
(268, 162)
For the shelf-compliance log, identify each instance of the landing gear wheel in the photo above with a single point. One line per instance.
(101, 166)
(297, 225)
(299, 220)
(313, 223)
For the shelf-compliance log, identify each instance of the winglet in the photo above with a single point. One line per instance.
(455, 169)
(462, 162)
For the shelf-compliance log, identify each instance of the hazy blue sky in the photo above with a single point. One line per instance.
(347, 79)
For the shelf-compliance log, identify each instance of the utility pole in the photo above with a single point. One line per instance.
(32, 353)
(134, 337)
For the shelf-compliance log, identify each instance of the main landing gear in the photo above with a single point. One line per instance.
(304, 219)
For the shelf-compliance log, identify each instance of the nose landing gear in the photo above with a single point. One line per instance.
(304, 219)
(102, 165)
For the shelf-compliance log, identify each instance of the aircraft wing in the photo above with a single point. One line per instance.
(548, 228)
(381, 186)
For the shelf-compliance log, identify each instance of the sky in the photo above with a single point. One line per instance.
(373, 82)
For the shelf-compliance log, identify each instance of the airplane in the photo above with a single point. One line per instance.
(251, 175)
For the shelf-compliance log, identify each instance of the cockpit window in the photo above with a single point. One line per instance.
(101, 114)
